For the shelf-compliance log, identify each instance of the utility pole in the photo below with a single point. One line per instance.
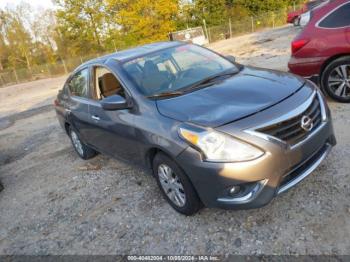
(206, 30)
(64, 66)
(48, 70)
(16, 76)
(115, 47)
(2, 81)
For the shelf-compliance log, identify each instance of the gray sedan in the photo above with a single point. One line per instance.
(213, 132)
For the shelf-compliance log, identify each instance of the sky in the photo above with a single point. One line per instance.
(34, 3)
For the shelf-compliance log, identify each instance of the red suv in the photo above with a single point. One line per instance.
(322, 49)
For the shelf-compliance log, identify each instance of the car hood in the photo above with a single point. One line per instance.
(250, 91)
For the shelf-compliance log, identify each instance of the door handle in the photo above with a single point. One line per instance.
(95, 118)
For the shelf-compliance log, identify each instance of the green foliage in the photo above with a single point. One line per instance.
(144, 21)
(213, 11)
(80, 25)
(76, 28)
(17, 37)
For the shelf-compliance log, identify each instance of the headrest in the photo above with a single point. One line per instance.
(109, 82)
(150, 68)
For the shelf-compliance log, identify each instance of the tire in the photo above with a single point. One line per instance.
(296, 21)
(178, 183)
(335, 81)
(82, 150)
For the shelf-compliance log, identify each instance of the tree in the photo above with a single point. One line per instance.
(42, 28)
(213, 11)
(17, 36)
(83, 27)
(144, 21)
(258, 6)
(3, 46)
(80, 25)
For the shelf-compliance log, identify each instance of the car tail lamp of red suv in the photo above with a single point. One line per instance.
(298, 44)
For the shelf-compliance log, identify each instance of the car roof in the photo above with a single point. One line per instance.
(131, 53)
(325, 9)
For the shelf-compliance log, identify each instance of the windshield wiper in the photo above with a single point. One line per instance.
(199, 84)
(209, 80)
(166, 94)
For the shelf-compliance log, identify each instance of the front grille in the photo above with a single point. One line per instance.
(300, 168)
(290, 130)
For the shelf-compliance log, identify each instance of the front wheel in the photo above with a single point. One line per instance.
(335, 79)
(83, 150)
(175, 185)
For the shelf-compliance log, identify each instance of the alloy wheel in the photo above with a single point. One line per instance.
(77, 143)
(339, 81)
(171, 185)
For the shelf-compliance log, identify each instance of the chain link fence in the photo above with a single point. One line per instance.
(231, 28)
(247, 25)
(62, 67)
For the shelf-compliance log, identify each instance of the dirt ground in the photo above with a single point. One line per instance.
(56, 203)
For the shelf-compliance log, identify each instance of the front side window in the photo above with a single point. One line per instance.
(175, 69)
(105, 84)
(339, 18)
(79, 83)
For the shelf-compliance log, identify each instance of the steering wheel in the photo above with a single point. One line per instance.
(173, 78)
(183, 74)
(162, 88)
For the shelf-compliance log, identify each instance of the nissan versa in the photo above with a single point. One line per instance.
(214, 132)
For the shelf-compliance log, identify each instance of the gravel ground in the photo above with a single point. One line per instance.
(56, 203)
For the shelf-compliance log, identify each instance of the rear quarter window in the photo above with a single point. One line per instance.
(79, 83)
(338, 18)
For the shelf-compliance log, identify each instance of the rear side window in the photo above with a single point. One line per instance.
(339, 18)
(79, 83)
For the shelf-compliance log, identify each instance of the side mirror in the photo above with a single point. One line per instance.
(114, 102)
(231, 58)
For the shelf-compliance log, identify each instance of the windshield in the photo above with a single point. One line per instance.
(317, 3)
(175, 69)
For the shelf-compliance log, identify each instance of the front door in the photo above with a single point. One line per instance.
(112, 132)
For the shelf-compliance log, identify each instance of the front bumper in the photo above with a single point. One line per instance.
(261, 180)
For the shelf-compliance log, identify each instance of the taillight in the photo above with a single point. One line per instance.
(298, 44)
(55, 102)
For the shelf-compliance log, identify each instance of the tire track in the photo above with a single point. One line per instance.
(8, 121)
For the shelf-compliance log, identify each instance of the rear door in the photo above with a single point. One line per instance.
(336, 28)
(77, 102)
(111, 132)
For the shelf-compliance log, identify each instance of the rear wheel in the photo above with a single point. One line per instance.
(83, 150)
(175, 185)
(335, 79)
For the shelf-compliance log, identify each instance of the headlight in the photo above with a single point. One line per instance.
(218, 147)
